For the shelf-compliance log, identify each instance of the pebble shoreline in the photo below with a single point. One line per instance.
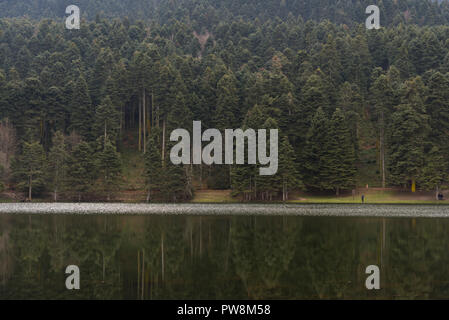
(324, 210)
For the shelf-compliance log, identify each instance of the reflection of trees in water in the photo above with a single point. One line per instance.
(161, 256)
(44, 246)
(262, 250)
(330, 253)
(6, 260)
(418, 258)
(194, 257)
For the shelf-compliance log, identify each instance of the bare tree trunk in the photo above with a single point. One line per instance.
(140, 125)
(144, 121)
(152, 109)
(255, 189)
(437, 192)
(382, 148)
(163, 140)
(201, 175)
(30, 188)
(283, 191)
(121, 120)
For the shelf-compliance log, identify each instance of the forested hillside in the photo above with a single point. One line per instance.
(353, 106)
(207, 13)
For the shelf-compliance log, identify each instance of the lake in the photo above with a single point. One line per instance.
(223, 251)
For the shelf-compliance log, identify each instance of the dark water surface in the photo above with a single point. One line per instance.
(222, 256)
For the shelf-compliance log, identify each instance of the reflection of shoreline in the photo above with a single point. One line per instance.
(319, 210)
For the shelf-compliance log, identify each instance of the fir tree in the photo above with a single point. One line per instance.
(287, 168)
(107, 120)
(109, 166)
(29, 169)
(81, 109)
(82, 171)
(340, 157)
(315, 168)
(57, 159)
(153, 167)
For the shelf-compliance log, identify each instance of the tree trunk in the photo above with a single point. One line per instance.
(437, 192)
(382, 148)
(140, 125)
(152, 110)
(55, 195)
(201, 175)
(121, 121)
(163, 141)
(30, 188)
(283, 191)
(144, 121)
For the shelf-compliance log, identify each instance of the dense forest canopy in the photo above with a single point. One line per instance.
(207, 13)
(353, 106)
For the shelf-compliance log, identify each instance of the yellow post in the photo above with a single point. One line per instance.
(413, 185)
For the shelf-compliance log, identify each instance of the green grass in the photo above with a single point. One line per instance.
(371, 197)
(133, 169)
(375, 197)
(373, 200)
(214, 196)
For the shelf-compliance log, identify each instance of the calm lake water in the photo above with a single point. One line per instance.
(221, 252)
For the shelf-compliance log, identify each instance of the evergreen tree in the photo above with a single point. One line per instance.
(107, 120)
(434, 172)
(406, 157)
(340, 157)
(82, 171)
(29, 169)
(109, 166)
(287, 168)
(57, 159)
(227, 103)
(153, 167)
(437, 107)
(81, 108)
(315, 167)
